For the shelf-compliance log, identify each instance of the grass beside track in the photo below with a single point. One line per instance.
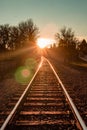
(80, 65)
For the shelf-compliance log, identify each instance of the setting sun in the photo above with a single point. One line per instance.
(43, 42)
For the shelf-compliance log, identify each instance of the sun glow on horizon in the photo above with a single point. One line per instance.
(43, 42)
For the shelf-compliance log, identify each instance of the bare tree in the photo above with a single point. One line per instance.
(66, 37)
(14, 37)
(28, 32)
(67, 41)
(4, 36)
(83, 47)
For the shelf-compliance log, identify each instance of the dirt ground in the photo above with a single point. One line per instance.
(72, 78)
(8, 84)
(8, 87)
(75, 80)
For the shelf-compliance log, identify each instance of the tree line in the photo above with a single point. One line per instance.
(25, 34)
(15, 37)
(68, 45)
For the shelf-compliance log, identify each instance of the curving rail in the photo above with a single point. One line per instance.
(80, 121)
(43, 101)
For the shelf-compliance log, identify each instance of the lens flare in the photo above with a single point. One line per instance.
(31, 63)
(23, 75)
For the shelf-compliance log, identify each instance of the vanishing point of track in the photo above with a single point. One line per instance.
(45, 104)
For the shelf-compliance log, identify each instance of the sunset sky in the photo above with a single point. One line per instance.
(49, 15)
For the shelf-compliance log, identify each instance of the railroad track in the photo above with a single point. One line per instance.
(45, 104)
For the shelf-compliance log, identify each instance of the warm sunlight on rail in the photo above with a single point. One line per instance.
(43, 42)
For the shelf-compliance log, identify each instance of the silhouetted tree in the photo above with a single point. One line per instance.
(28, 33)
(4, 36)
(67, 42)
(66, 37)
(83, 47)
(14, 37)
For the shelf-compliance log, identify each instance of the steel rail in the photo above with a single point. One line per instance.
(76, 112)
(20, 99)
(74, 109)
